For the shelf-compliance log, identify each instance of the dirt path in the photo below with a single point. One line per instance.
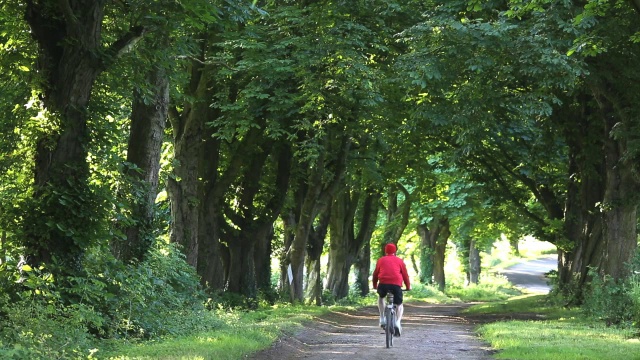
(429, 331)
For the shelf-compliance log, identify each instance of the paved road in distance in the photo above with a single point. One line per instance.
(530, 274)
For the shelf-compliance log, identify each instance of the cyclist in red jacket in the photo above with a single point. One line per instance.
(391, 272)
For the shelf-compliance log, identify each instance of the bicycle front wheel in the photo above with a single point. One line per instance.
(389, 328)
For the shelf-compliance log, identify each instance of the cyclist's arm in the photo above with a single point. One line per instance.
(405, 276)
(375, 275)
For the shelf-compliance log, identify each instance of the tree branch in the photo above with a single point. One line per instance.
(123, 45)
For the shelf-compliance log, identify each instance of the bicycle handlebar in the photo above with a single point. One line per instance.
(403, 290)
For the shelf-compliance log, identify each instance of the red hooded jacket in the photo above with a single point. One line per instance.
(391, 270)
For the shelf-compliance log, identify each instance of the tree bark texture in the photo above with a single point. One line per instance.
(349, 233)
(318, 191)
(579, 244)
(184, 182)
(397, 215)
(315, 248)
(71, 56)
(474, 263)
(434, 236)
(368, 218)
(148, 119)
(289, 224)
(247, 227)
(263, 259)
(342, 248)
(463, 254)
(363, 269)
(620, 200)
(427, 250)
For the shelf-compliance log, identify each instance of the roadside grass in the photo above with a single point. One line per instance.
(543, 305)
(243, 333)
(491, 288)
(562, 339)
(564, 334)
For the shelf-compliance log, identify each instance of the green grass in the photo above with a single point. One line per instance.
(540, 304)
(562, 339)
(490, 288)
(226, 344)
(563, 335)
(242, 334)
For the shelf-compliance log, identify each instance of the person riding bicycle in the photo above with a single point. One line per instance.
(390, 272)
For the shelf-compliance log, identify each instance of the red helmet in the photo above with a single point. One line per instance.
(390, 249)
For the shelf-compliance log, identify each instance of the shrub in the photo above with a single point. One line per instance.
(156, 297)
(35, 329)
(159, 296)
(612, 301)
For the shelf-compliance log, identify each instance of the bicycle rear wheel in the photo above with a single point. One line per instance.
(389, 328)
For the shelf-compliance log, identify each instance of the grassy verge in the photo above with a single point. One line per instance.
(563, 334)
(242, 333)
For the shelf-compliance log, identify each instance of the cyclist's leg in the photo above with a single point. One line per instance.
(381, 305)
(399, 311)
(397, 299)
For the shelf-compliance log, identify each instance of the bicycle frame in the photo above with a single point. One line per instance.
(390, 315)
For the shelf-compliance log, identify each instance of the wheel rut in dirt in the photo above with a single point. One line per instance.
(428, 332)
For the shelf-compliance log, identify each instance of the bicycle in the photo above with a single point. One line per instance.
(390, 329)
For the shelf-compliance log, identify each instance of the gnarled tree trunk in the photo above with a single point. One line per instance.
(315, 247)
(62, 221)
(474, 263)
(148, 119)
(434, 237)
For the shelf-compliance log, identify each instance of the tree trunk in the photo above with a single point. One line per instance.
(315, 247)
(463, 254)
(427, 251)
(474, 263)
(345, 244)
(148, 119)
(263, 259)
(363, 269)
(297, 251)
(289, 225)
(318, 192)
(434, 243)
(397, 215)
(342, 250)
(184, 184)
(212, 257)
(580, 245)
(65, 212)
(265, 175)
(242, 278)
(367, 226)
(620, 215)
(439, 255)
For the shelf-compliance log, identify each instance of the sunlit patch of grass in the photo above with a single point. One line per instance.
(562, 339)
(427, 293)
(226, 344)
(543, 305)
(491, 288)
(242, 334)
(564, 334)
